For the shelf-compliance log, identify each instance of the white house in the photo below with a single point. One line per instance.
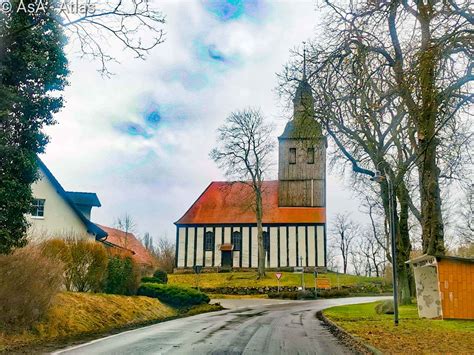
(219, 229)
(59, 213)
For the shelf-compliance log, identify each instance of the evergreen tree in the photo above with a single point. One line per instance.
(33, 71)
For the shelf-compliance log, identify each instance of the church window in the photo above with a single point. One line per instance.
(237, 240)
(292, 158)
(266, 241)
(209, 241)
(310, 156)
(37, 208)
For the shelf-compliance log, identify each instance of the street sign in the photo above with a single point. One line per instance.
(278, 275)
(323, 283)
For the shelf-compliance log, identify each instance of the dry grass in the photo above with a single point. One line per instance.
(249, 279)
(412, 336)
(78, 314)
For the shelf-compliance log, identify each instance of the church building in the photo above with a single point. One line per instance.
(219, 230)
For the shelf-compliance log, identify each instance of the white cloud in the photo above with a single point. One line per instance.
(156, 179)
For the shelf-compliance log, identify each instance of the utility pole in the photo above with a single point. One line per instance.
(394, 249)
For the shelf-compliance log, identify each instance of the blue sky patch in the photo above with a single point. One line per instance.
(229, 10)
(132, 129)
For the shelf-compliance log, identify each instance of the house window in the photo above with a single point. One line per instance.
(237, 240)
(292, 158)
(266, 241)
(310, 156)
(37, 208)
(209, 241)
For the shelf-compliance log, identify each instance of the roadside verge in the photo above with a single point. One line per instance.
(76, 317)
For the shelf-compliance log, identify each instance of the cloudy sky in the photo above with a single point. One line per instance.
(141, 139)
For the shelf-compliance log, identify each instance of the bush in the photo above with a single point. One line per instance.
(85, 262)
(150, 279)
(292, 295)
(385, 307)
(29, 281)
(122, 276)
(161, 277)
(334, 293)
(175, 296)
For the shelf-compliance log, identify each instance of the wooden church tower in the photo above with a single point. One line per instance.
(302, 155)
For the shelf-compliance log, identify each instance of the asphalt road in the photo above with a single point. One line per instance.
(259, 326)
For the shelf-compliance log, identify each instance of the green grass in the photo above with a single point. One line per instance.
(413, 335)
(249, 279)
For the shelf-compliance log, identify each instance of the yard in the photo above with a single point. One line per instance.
(413, 335)
(249, 279)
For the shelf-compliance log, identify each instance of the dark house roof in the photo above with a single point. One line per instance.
(91, 227)
(84, 198)
(231, 203)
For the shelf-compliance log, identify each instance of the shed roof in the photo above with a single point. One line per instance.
(232, 202)
(425, 257)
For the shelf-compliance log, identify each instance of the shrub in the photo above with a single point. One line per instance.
(122, 276)
(292, 295)
(175, 296)
(85, 262)
(385, 307)
(161, 276)
(334, 293)
(150, 279)
(29, 281)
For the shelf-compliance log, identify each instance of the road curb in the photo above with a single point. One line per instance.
(352, 342)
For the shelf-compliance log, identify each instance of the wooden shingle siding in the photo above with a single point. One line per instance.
(456, 286)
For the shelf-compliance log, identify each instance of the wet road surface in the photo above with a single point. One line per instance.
(259, 326)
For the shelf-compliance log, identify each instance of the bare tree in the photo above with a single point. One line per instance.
(165, 254)
(344, 232)
(466, 224)
(426, 50)
(133, 24)
(245, 144)
(147, 242)
(127, 225)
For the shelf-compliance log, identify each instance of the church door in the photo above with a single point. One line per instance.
(227, 259)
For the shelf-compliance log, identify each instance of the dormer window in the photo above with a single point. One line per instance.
(310, 156)
(292, 157)
(37, 208)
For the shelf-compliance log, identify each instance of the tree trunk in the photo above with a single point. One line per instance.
(431, 217)
(404, 247)
(261, 250)
(402, 239)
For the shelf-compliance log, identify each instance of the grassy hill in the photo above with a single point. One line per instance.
(249, 279)
(76, 315)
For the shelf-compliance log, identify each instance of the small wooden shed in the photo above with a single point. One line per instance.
(444, 286)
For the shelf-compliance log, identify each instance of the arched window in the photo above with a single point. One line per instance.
(209, 241)
(237, 240)
(266, 241)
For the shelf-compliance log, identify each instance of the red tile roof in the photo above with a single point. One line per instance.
(231, 202)
(130, 242)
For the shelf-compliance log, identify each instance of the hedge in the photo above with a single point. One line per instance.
(175, 296)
